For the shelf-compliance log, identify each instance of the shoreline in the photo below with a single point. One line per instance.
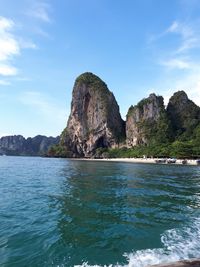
(190, 162)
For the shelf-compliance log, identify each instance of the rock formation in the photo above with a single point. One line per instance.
(95, 121)
(183, 113)
(95, 124)
(144, 120)
(181, 263)
(19, 146)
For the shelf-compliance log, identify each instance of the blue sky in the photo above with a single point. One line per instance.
(135, 46)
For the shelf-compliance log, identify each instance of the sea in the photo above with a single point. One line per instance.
(60, 212)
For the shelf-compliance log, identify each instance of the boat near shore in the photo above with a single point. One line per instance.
(160, 160)
(188, 162)
(171, 161)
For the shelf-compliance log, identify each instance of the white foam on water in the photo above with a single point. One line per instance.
(178, 244)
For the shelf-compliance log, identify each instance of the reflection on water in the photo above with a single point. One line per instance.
(108, 209)
(55, 212)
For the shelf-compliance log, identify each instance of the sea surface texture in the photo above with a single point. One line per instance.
(59, 212)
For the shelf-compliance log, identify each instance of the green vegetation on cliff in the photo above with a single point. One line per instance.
(59, 151)
(177, 149)
(145, 101)
(100, 89)
(148, 123)
(159, 147)
(158, 132)
(93, 82)
(90, 79)
(184, 115)
(95, 125)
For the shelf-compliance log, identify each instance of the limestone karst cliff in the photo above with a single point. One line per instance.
(32, 146)
(184, 114)
(95, 125)
(94, 121)
(146, 120)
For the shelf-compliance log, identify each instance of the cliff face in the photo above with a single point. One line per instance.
(18, 145)
(145, 120)
(12, 145)
(183, 113)
(95, 123)
(95, 120)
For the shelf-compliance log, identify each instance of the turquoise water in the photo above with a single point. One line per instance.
(58, 212)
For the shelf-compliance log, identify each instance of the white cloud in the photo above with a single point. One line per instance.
(26, 44)
(191, 85)
(189, 82)
(23, 79)
(176, 63)
(182, 29)
(173, 27)
(43, 105)
(180, 57)
(10, 47)
(3, 82)
(7, 70)
(188, 33)
(41, 32)
(40, 10)
(5, 24)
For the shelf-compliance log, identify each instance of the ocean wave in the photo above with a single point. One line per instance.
(178, 244)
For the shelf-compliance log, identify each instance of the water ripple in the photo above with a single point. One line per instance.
(55, 212)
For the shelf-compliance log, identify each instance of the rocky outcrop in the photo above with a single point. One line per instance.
(183, 113)
(12, 145)
(183, 263)
(144, 120)
(19, 146)
(95, 121)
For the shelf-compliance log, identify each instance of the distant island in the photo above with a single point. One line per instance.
(17, 145)
(95, 128)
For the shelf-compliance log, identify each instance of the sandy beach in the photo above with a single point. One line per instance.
(143, 160)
